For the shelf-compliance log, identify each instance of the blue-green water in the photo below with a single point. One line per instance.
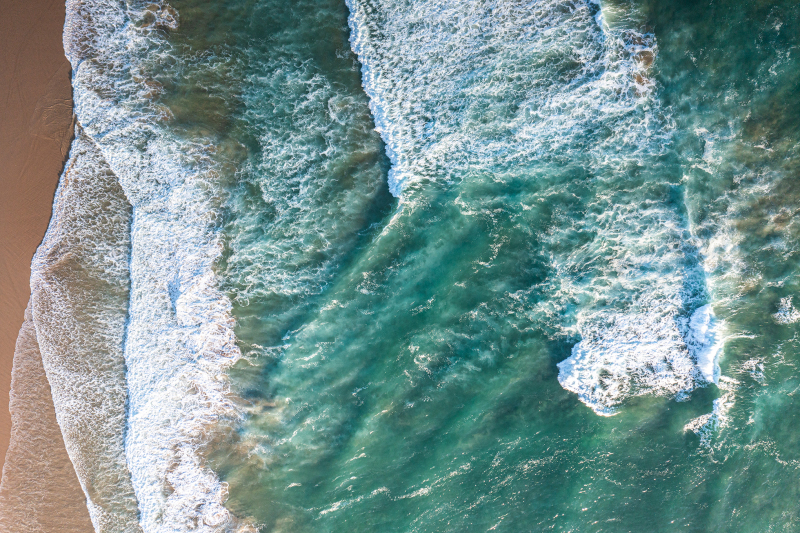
(490, 265)
(548, 196)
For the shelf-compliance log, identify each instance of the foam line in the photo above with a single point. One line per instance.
(179, 339)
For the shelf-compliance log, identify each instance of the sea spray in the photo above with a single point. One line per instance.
(39, 492)
(179, 339)
(79, 300)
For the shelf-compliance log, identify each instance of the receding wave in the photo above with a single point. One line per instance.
(39, 492)
(79, 299)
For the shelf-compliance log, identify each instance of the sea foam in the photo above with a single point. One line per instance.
(646, 353)
(492, 85)
(39, 492)
(179, 334)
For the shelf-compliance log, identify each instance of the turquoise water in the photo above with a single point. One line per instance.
(555, 188)
(422, 265)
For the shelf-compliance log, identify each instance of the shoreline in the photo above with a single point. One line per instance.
(36, 96)
(40, 492)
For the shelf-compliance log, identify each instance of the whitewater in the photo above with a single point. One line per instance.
(166, 340)
(595, 77)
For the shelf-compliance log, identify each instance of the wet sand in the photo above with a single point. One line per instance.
(36, 106)
(40, 491)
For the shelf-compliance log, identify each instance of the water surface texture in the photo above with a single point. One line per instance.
(430, 265)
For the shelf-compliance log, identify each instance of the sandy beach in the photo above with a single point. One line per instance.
(35, 96)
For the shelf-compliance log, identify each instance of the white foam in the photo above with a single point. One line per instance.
(79, 292)
(787, 314)
(460, 88)
(456, 85)
(705, 342)
(629, 355)
(285, 243)
(626, 355)
(180, 339)
(710, 424)
(39, 492)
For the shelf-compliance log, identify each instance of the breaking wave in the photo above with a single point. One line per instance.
(559, 92)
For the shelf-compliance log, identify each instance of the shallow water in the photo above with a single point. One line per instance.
(451, 266)
(40, 491)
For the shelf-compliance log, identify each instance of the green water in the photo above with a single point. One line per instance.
(401, 355)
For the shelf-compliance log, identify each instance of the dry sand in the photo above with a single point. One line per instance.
(36, 127)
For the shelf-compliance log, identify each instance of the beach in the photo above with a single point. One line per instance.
(36, 101)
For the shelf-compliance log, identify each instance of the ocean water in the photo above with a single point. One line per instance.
(429, 266)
